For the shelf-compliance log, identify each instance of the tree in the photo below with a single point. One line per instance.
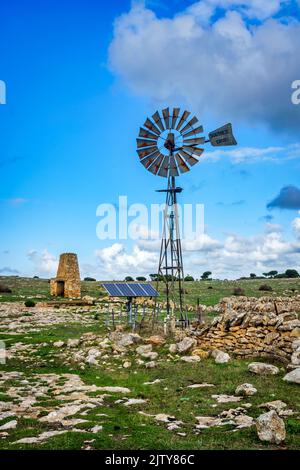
(189, 278)
(252, 275)
(206, 275)
(128, 279)
(291, 273)
(141, 278)
(153, 277)
(89, 279)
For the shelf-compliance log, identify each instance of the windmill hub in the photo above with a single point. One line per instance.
(170, 142)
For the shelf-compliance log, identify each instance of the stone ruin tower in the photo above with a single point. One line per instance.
(67, 281)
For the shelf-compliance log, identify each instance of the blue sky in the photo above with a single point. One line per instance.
(81, 78)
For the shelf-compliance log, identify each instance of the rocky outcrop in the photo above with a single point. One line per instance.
(250, 327)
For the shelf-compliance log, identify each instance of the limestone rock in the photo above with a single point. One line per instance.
(293, 376)
(156, 340)
(96, 429)
(150, 355)
(261, 368)
(135, 401)
(190, 358)
(73, 343)
(150, 365)
(58, 344)
(9, 425)
(144, 349)
(221, 357)
(186, 344)
(270, 428)
(127, 364)
(245, 390)
(173, 348)
(295, 359)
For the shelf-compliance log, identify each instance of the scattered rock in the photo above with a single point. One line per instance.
(96, 429)
(190, 358)
(245, 390)
(173, 348)
(220, 357)
(293, 376)
(276, 405)
(261, 368)
(59, 344)
(226, 398)
(186, 344)
(270, 428)
(73, 343)
(150, 365)
(9, 425)
(150, 355)
(204, 385)
(156, 381)
(146, 348)
(156, 340)
(127, 364)
(135, 401)
(114, 389)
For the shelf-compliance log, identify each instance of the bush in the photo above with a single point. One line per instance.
(210, 287)
(5, 289)
(265, 287)
(35, 277)
(29, 303)
(89, 279)
(128, 279)
(189, 278)
(238, 291)
(141, 279)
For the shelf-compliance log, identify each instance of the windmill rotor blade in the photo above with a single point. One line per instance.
(164, 167)
(158, 121)
(166, 116)
(147, 161)
(145, 152)
(183, 168)
(188, 158)
(154, 167)
(173, 167)
(222, 136)
(175, 115)
(193, 150)
(147, 134)
(183, 118)
(145, 143)
(194, 132)
(196, 141)
(189, 125)
(149, 124)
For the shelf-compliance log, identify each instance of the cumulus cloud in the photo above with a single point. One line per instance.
(44, 262)
(232, 257)
(220, 65)
(255, 154)
(288, 198)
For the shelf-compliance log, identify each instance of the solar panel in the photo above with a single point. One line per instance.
(130, 290)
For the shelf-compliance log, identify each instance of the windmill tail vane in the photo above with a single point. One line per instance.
(168, 145)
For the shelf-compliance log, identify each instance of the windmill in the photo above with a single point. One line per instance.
(168, 145)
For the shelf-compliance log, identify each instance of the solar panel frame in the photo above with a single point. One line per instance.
(129, 290)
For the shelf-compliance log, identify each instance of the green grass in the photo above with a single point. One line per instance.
(38, 289)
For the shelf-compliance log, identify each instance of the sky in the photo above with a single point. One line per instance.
(81, 78)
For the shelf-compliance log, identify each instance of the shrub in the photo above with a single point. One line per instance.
(5, 289)
(128, 279)
(29, 303)
(96, 316)
(265, 287)
(141, 279)
(35, 277)
(89, 279)
(210, 287)
(189, 278)
(238, 291)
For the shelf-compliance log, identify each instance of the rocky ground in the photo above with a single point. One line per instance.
(68, 382)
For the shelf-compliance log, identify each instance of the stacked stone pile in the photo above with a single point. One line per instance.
(249, 327)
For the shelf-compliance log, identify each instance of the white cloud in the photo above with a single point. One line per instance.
(44, 262)
(255, 154)
(224, 66)
(233, 257)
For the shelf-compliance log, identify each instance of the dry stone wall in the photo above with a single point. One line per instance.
(250, 327)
